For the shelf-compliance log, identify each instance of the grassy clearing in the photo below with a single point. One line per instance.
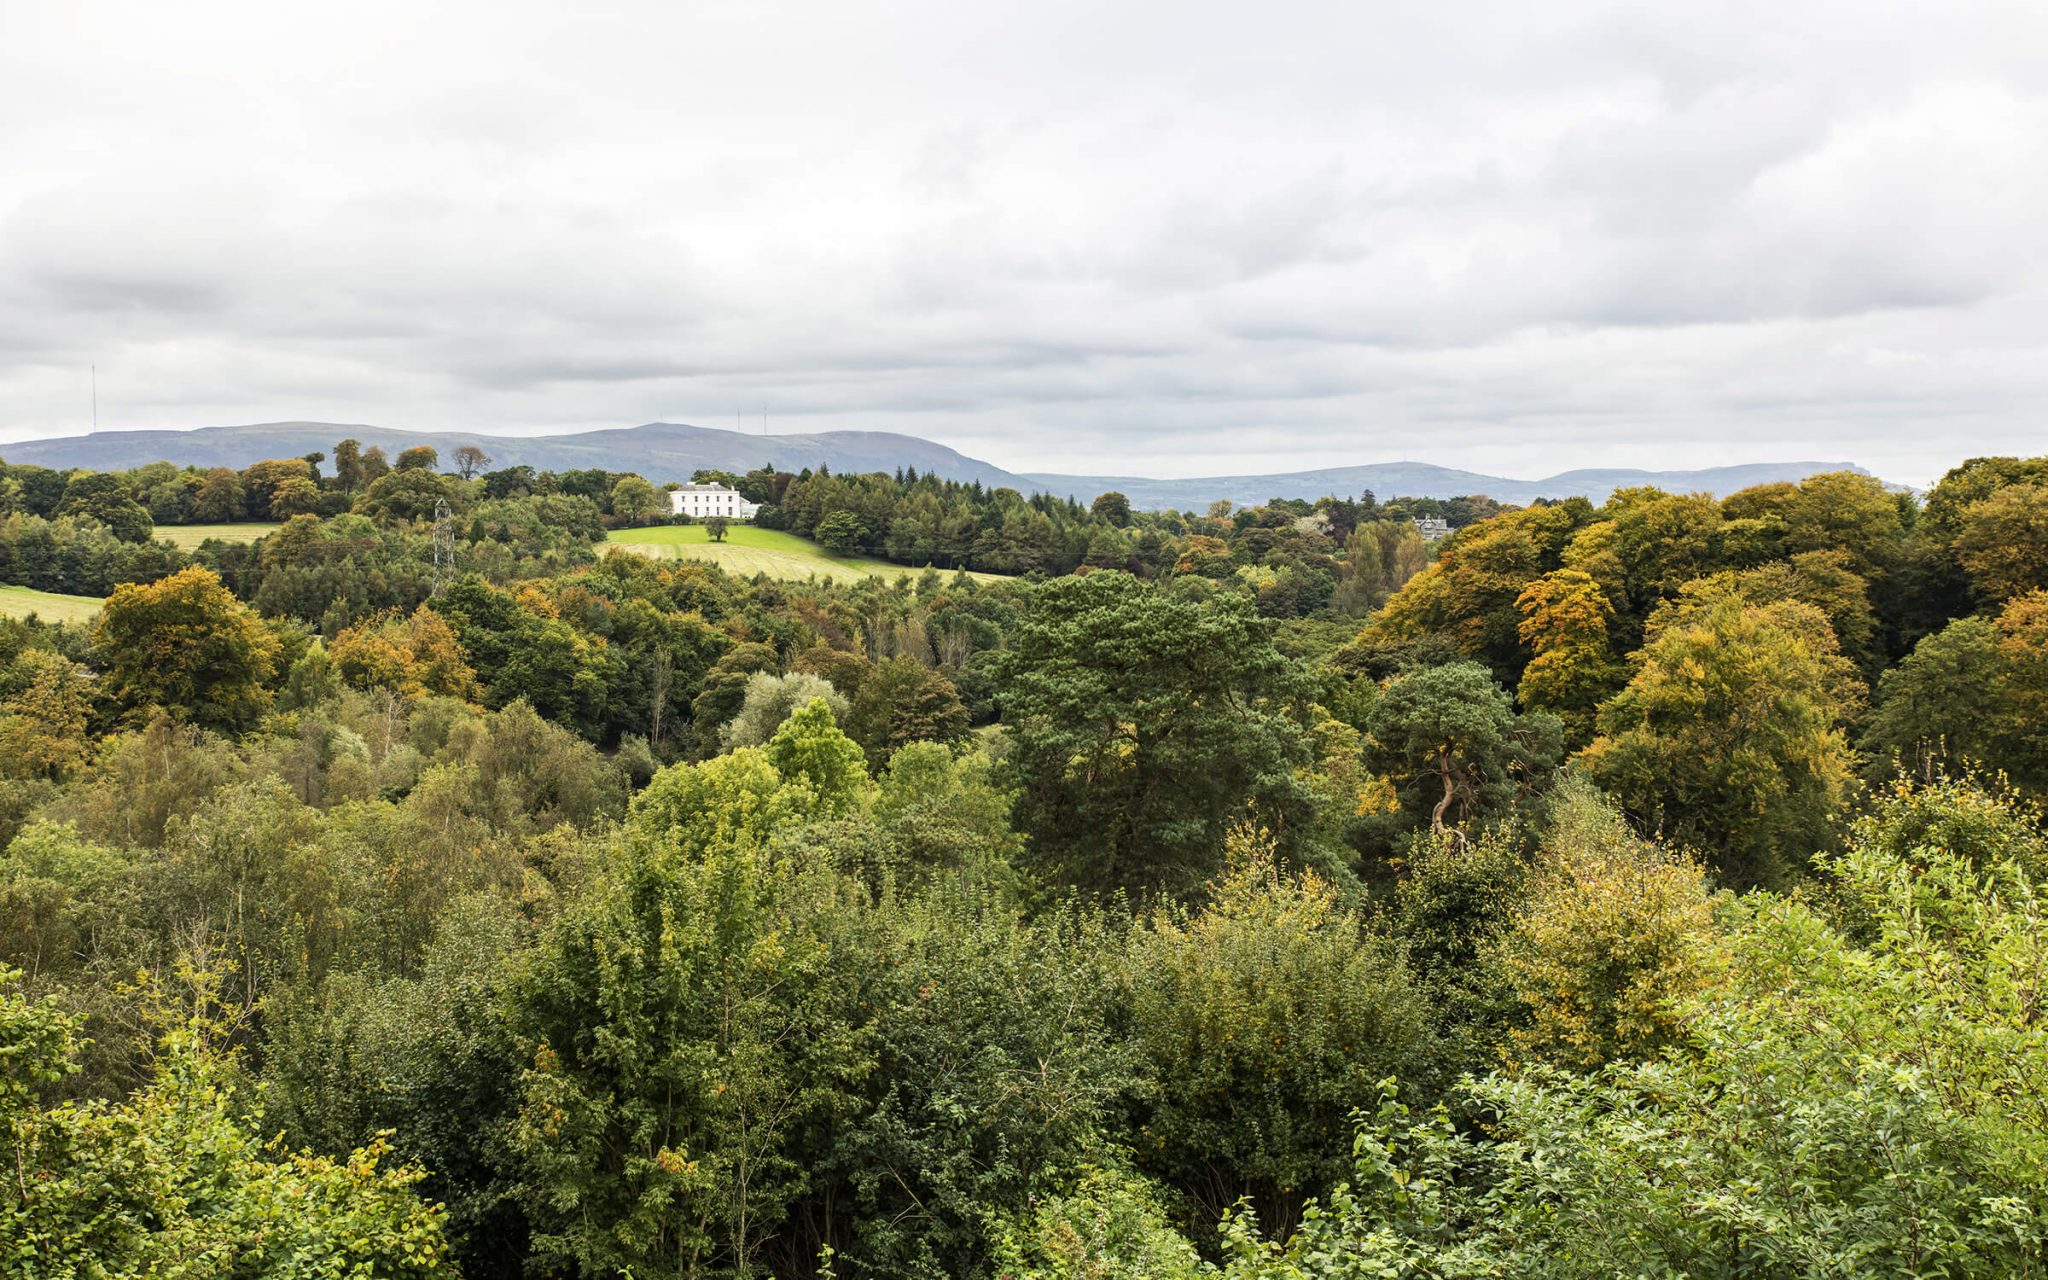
(186, 537)
(19, 602)
(748, 551)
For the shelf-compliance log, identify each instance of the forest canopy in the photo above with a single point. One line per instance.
(419, 886)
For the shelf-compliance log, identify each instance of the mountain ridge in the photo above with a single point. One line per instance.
(1412, 479)
(659, 450)
(665, 451)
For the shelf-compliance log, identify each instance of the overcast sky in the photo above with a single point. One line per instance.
(1168, 238)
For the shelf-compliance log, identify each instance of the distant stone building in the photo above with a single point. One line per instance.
(700, 501)
(1431, 528)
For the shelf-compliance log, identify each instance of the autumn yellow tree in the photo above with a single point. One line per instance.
(1204, 557)
(2023, 644)
(265, 482)
(1616, 934)
(1565, 620)
(1728, 736)
(411, 657)
(2003, 545)
(1468, 596)
(43, 724)
(184, 643)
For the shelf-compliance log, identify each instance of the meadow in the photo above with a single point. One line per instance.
(20, 602)
(748, 551)
(187, 537)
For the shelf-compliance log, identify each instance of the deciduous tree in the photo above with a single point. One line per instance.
(1728, 734)
(185, 644)
(1565, 621)
(469, 460)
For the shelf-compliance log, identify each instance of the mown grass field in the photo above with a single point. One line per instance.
(748, 551)
(186, 537)
(19, 602)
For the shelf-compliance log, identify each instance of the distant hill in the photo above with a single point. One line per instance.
(1421, 480)
(661, 451)
(664, 451)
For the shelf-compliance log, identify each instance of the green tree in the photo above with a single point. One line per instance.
(941, 812)
(841, 533)
(725, 691)
(1452, 742)
(902, 701)
(810, 747)
(687, 1028)
(1835, 1111)
(348, 467)
(1113, 507)
(521, 653)
(1952, 699)
(425, 1058)
(1001, 1064)
(263, 481)
(102, 496)
(1145, 721)
(421, 457)
(408, 494)
(174, 1180)
(634, 500)
(1265, 1019)
(220, 497)
(715, 528)
(1380, 557)
(185, 644)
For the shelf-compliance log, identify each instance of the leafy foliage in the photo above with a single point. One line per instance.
(186, 645)
(173, 1182)
(1146, 721)
(1727, 735)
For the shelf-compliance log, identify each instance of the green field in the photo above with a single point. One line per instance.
(19, 602)
(185, 537)
(748, 551)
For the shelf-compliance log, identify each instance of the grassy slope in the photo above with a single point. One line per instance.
(188, 536)
(748, 551)
(19, 602)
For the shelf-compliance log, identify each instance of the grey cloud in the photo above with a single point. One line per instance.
(1066, 235)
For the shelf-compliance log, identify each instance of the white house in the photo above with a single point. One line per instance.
(698, 501)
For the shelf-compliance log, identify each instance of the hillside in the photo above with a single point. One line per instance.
(1423, 480)
(661, 451)
(748, 551)
(21, 602)
(664, 451)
